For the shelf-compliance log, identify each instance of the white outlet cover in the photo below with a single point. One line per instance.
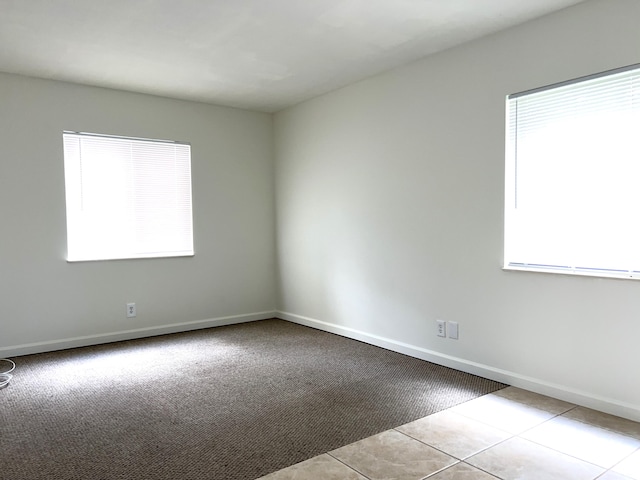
(131, 310)
(442, 328)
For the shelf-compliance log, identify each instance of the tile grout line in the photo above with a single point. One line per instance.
(459, 460)
(518, 435)
(442, 469)
(463, 459)
(618, 432)
(349, 466)
(606, 469)
(564, 454)
(482, 469)
(618, 463)
(511, 436)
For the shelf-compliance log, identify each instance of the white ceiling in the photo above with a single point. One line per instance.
(255, 54)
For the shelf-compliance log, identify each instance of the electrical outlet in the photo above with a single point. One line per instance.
(442, 328)
(131, 310)
(452, 329)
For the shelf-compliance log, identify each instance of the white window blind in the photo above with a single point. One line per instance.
(127, 197)
(572, 174)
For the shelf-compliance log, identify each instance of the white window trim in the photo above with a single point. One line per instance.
(149, 211)
(510, 197)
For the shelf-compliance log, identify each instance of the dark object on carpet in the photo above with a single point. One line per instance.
(225, 403)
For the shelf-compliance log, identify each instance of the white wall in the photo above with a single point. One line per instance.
(389, 215)
(390, 210)
(47, 303)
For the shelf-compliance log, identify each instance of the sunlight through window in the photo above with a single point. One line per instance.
(126, 197)
(572, 164)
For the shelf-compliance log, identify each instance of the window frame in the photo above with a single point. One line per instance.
(137, 185)
(512, 172)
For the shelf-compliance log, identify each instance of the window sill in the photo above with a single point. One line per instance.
(582, 272)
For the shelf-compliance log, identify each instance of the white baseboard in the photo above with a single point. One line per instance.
(61, 344)
(536, 385)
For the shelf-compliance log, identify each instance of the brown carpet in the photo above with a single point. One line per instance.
(226, 403)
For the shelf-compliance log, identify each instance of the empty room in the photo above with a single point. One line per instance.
(323, 239)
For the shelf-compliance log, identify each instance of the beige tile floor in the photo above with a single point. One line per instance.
(511, 434)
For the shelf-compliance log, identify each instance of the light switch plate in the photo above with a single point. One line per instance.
(452, 328)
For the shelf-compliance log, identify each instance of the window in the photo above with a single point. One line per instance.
(572, 202)
(127, 197)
